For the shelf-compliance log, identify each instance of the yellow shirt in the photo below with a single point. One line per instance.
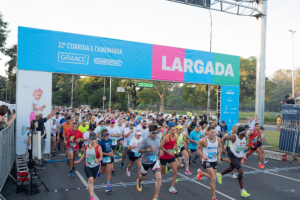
(278, 120)
(83, 129)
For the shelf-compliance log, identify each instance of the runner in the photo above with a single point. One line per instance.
(260, 142)
(128, 135)
(120, 139)
(168, 144)
(93, 122)
(192, 125)
(194, 138)
(238, 144)
(210, 144)
(108, 157)
(114, 132)
(149, 148)
(65, 126)
(93, 156)
(144, 129)
(181, 149)
(133, 153)
(72, 138)
(164, 129)
(53, 136)
(253, 139)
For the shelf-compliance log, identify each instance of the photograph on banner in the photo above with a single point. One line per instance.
(34, 91)
(85, 107)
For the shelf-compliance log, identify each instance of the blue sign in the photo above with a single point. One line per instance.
(230, 105)
(290, 112)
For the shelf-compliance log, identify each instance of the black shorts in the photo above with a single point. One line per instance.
(165, 161)
(132, 157)
(153, 166)
(253, 148)
(178, 156)
(61, 137)
(182, 149)
(91, 172)
(235, 162)
(114, 147)
(228, 150)
(104, 164)
(259, 144)
(206, 165)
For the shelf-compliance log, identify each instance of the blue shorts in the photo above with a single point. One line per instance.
(192, 150)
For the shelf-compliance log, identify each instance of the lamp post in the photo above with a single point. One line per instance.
(293, 84)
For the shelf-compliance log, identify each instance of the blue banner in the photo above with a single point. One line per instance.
(290, 112)
(230, 105)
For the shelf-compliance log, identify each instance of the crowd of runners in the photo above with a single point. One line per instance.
(155, 142)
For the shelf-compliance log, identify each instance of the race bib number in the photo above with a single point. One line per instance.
(170, 150)
(239, 149)
(255, 140)
(90, 160)
(136, 154)
(107, 159)
(212, 155)
(152, 158)
(73, 144)
(128, 141)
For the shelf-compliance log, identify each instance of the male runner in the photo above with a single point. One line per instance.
(114, 132)
(168, 144)
(65, 126)
(71, 139)
(238, 144)
(194, 138)
(253, 139)
(149, 148)
(211, 145)
(128, 135)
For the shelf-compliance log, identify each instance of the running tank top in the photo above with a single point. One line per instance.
(92, 125)
(91, 155)
(169, 146)
(66, 127)
(254, 137)
(238, 147)
(180, 143)
(228, 142)
(164, 131)
(211, 150)
(202, 133)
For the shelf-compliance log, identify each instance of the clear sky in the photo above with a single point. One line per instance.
(164, 23)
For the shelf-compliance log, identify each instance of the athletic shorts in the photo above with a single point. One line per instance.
(165, 161)
(119, 140)
(132, 156)
(182, 149)
(228, 150)
(91, 172)
(61, 137)
(75, 151)
(154, 167)
(206, 165)
(124, 150)
(53, 135)
(104, 164)
(235, 162)
(259, 144)
(193, 150)
(114, 147)
(253, 147)
(178, 156)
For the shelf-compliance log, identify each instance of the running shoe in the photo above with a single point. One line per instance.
(127, 172)
(245, 194)
(182, 165)
(155, 198)
(234, 176)
(219, 178)
(70, 174)
(243, 161)
(167, 169)
(108, 189)
(120, 154)
(73, 169)
(138, 187)
(92, 198)
(266, 161)
(188, 172)
(173, 190)
(194, 162)
(199, 176)
(214, 198)
(261, 166)
(122, 165)
(112, 170)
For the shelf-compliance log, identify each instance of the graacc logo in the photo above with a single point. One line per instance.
(105, 61)
(73, 58)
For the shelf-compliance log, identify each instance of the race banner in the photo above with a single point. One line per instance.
(290, 112)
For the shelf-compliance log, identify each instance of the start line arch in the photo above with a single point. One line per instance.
(43, 52)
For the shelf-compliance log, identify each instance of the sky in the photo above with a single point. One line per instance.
(164, 23)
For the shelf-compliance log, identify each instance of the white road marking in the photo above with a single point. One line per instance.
(85, 184)
(272, 173)
(208, 187)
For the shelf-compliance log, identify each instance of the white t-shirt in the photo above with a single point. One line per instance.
(85, 136)
(98, 120)
(145, 132)
(214, 117)
(127, 140)
(134, 142)
(251, 125)
(53, 129)
(218, 128)
(121, 131)
(115, 131)
(56, 120)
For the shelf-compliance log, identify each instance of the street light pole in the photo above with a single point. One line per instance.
(293, 81)
(72, 91)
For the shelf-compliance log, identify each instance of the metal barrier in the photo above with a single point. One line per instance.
(7, 153)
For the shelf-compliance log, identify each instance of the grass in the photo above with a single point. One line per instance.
(272, 138)
(241, 114)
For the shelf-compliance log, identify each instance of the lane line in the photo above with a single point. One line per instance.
(208, 187)
(85, 184)
(272, 173)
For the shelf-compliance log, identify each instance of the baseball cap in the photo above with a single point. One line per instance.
(99, 114)
(140, 118)
(138, 132)
(38, 113)
(84, 120)
(262, 128)
(112, 121)
(179, 127)
(247, 126)
(241, 129)
(93, 135)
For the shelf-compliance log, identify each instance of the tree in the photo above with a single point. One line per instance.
(3, 33)
(11, 71)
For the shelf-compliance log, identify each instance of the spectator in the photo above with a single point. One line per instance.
(3, 121)
(297, 100)
(252, 121)
(288, 100)
(213, 116)
(217, 128)
(203, 116)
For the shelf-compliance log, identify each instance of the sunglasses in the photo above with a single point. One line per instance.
(113, 122)
(130, 124)
(154, 133)
(93, 139)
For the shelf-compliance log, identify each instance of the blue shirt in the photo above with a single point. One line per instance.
(170, 124)
(136, 124)
(62, 121)
(106, 145)
(196, 137)
(223, 128)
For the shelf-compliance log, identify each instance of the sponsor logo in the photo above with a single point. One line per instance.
(105, 61)
(73, 58)
(287, 111)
